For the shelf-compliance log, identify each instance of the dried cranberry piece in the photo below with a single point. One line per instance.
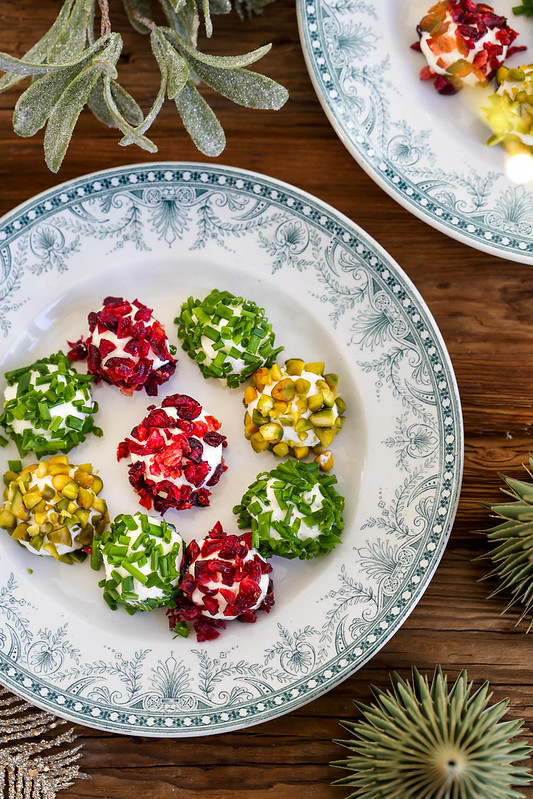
(123, 450)
(135, 473)
(443, 86)
(197, 450)
(196, 472)
(187, 407)
(248, 617)
(143, 313)
(78, 350)
(220, 469)
(209, 546)
(214, 439)
(201, 497)
(193, 551)
(211, 604)
(157, 377)
(207, 629)
(93, 360)
(158, 418)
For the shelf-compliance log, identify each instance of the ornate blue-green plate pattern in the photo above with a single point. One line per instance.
(427, 151)
(162, 232)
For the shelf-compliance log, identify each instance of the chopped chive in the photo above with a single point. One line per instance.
(74, 422)
(134, 571)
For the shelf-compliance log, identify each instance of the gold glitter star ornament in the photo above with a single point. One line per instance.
(422, 741)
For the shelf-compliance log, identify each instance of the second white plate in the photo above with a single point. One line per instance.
(426, 150)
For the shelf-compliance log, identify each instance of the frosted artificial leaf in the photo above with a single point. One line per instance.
(19, 66)
(65, 114)
(199, 120)
(207, 19)
(133, 135)
(171, 62)
(73, 35)
(127, 106)
(70, 44)
(512, 554)
(35, 105)
(219, 61)
(187, 21)
(141, 8)
(97, 104)
(220, 6)
(37, 53)
(244, 87)
(176, 5)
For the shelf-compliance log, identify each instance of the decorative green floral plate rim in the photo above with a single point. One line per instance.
(427, 151)
(162, 232)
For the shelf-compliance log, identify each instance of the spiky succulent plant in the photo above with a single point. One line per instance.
(422, 741)
(513, 540)
(70, 68)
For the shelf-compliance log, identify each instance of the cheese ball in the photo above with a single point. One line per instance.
(293, 511)
(52, 508)
(229, 337)
(48, 407)
(126, 347)
(142, 559)
(175, 455)
(224, 579)
(292, 409)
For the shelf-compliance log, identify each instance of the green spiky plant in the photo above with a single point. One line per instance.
(513, 544)
(422, 741)
(70, 69)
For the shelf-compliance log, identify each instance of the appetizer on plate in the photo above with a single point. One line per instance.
(464, 43)
(53, 507)
(126, 347)
(48, 406)
(175, 455)
(224, 579)
(229, 337)
(293, 511)
(293, 408)
(142, 559)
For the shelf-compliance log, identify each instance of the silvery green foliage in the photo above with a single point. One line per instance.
(70, 70)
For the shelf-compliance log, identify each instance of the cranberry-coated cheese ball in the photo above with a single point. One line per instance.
(224, 579)
(175, 455)
(126, 347)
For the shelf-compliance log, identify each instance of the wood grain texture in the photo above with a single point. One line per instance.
(483, 306)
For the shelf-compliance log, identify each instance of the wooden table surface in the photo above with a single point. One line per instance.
(483, 306)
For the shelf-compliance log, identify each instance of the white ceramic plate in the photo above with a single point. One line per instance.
(427, 151)
(162, 232)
